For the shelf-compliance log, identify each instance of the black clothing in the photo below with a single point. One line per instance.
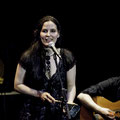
(109, 89)
(35, 108)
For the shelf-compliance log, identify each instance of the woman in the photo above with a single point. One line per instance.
(42, 74)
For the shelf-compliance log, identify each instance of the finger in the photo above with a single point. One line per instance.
(43, 99)
(111, 113)
(46, 98)
(71, 103)
(58, 101)
(51, 98)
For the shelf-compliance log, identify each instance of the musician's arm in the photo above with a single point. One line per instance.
(87, 101)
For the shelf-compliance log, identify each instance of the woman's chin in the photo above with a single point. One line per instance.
(46, 44)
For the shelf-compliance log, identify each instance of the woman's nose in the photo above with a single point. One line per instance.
(48, 33)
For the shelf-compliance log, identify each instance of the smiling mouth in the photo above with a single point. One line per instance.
(48, 40)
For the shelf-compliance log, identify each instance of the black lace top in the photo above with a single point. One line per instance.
(36, 79)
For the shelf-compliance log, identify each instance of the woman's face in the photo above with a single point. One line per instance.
(49, 33)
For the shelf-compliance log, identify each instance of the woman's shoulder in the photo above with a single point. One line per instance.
(69, 58)
(66, 52)
(25, 59)
(27, 53)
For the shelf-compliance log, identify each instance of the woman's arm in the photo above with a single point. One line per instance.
(21, 87)
(19, 82)
(71, 84)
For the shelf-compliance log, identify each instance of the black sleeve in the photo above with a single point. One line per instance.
(69, 59)
(107, 88)
(25, 61)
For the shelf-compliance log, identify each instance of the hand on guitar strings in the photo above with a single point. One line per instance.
(107, 113)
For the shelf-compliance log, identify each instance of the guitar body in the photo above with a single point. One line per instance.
(86, 114)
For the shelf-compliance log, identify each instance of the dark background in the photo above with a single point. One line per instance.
(90, 31)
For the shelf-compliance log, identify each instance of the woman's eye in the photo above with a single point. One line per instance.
(53, 30)
(44, 30)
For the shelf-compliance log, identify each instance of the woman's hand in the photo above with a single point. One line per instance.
(46, 96)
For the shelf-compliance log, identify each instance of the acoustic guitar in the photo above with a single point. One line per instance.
(87, 114)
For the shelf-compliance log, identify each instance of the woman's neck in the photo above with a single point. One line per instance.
(49, 51)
